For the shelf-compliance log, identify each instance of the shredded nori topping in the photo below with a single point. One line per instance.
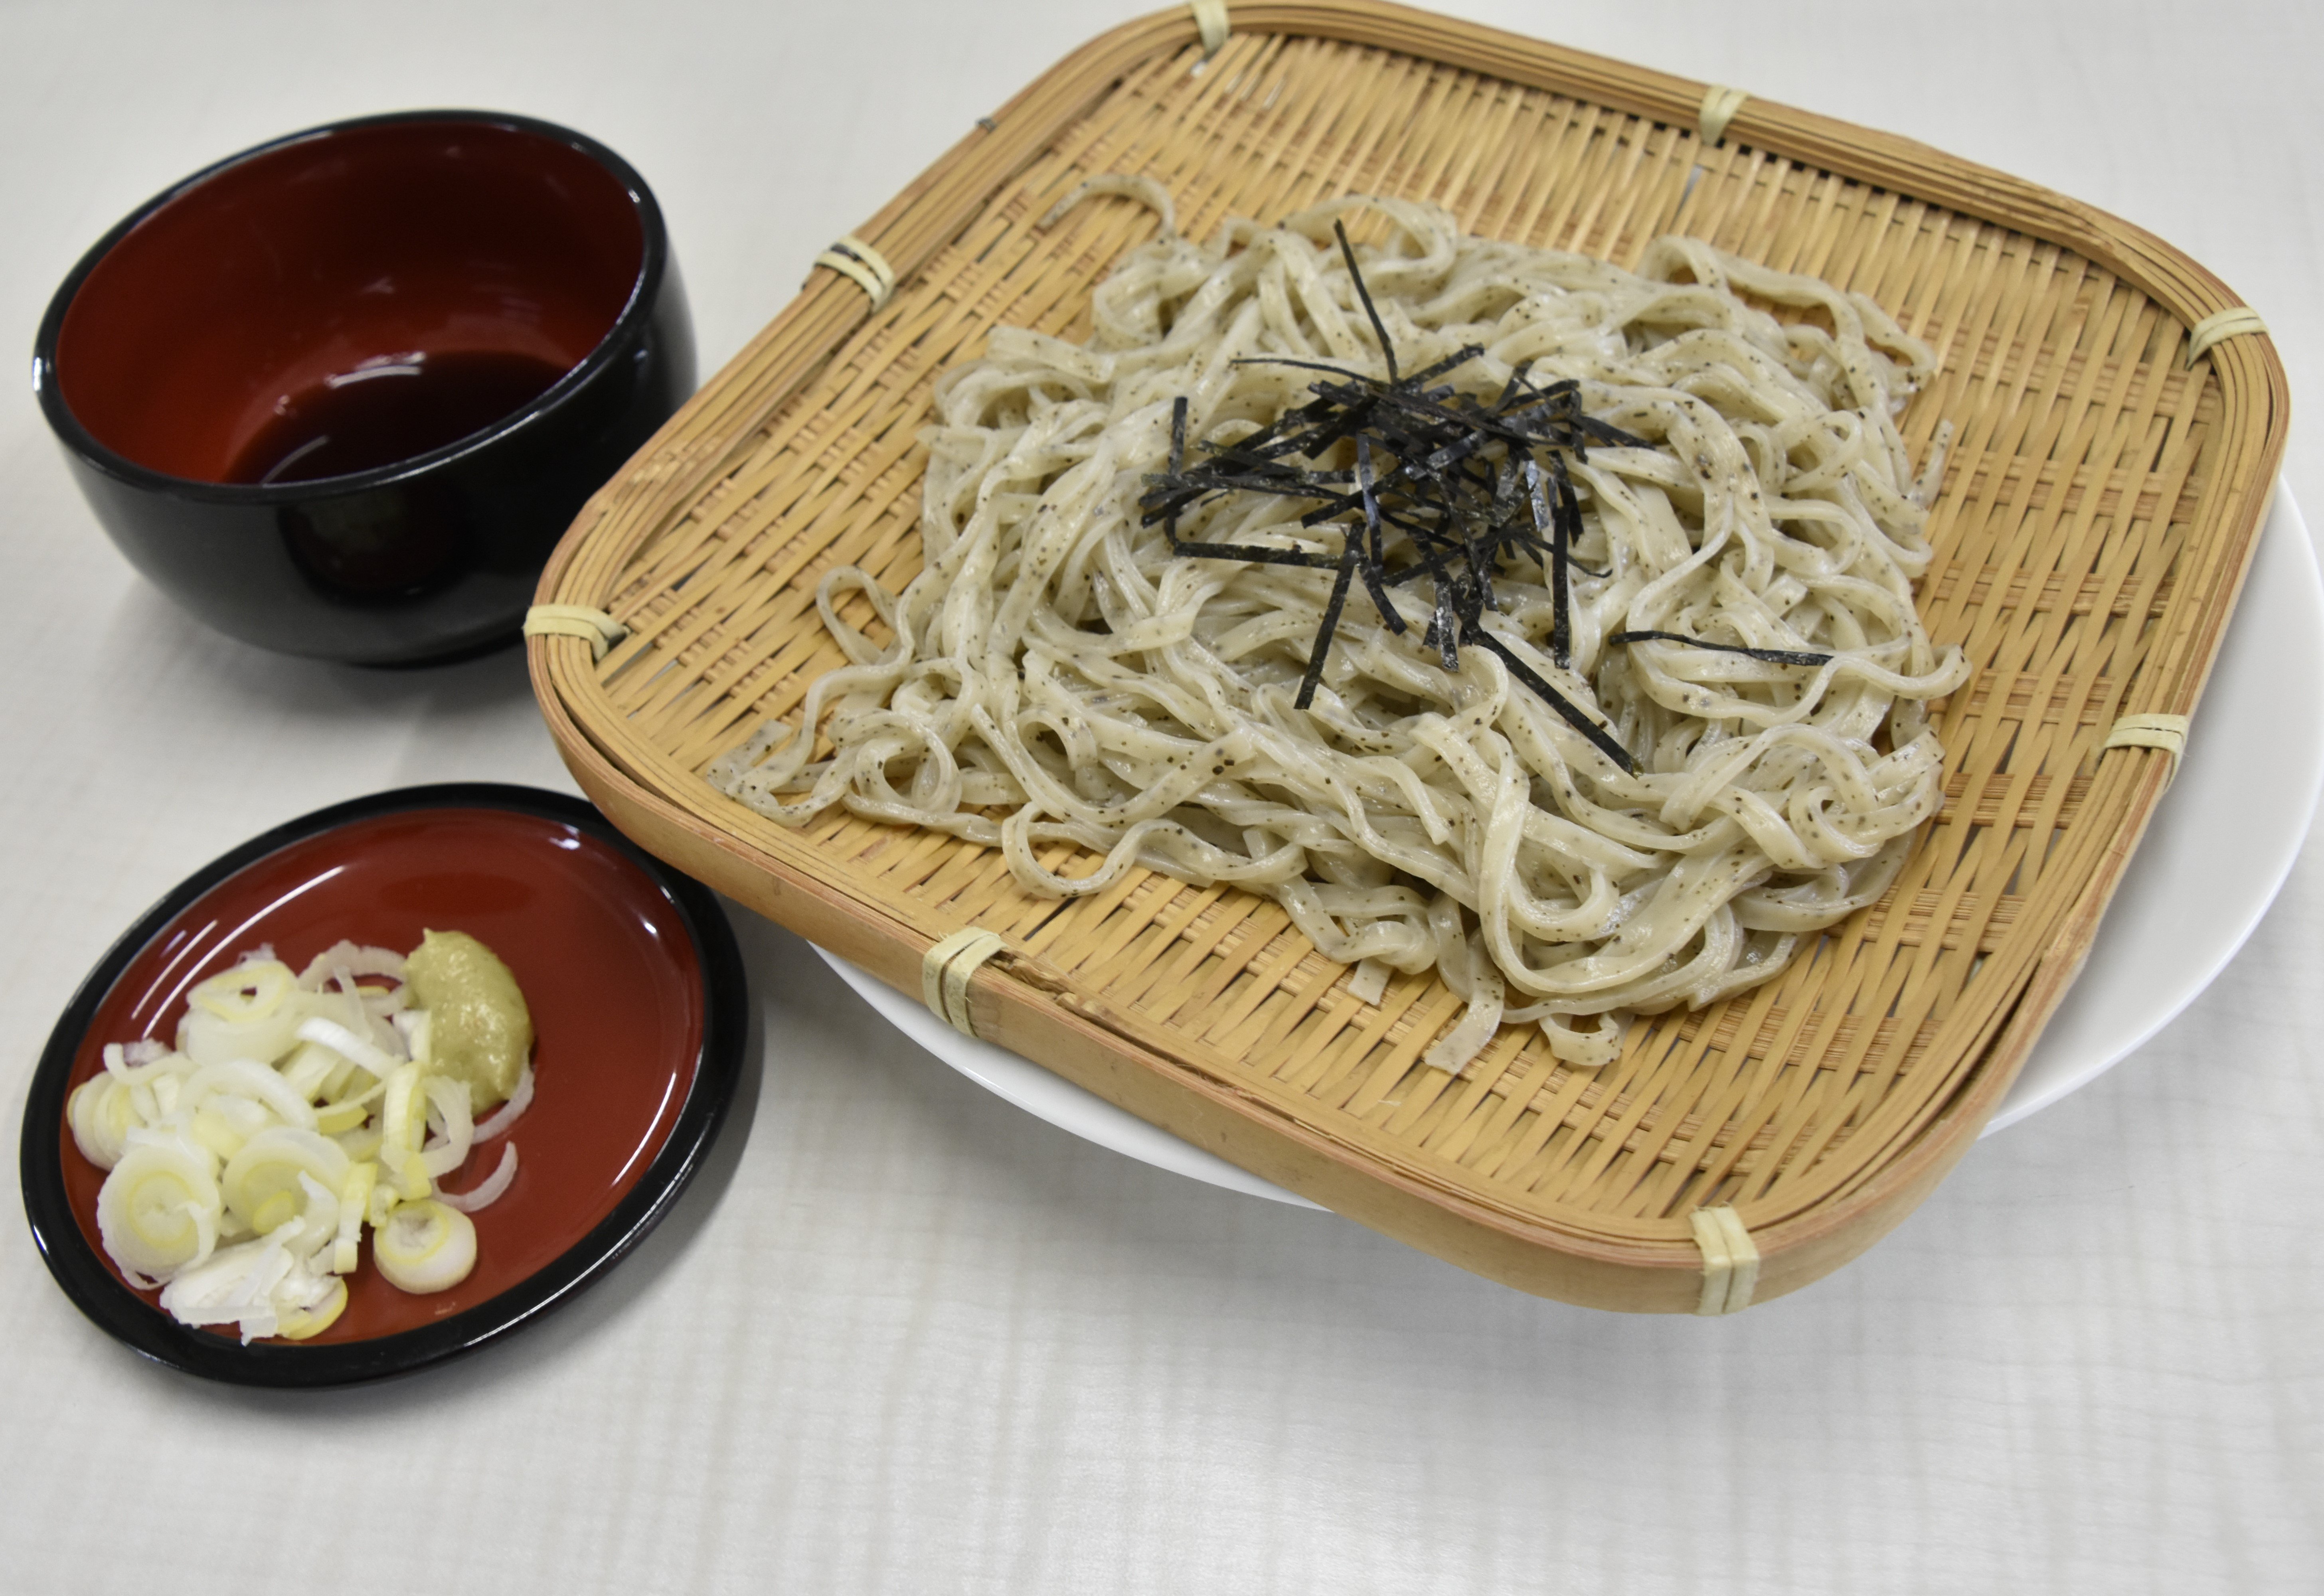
(1465, 483)
(1772, 656)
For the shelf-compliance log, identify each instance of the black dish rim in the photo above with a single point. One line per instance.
(628, 327)
(99, 1293)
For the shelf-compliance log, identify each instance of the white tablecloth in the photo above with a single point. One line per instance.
(903, 1338)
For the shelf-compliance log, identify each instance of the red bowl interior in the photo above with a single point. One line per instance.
(604, 959)
(343, 250)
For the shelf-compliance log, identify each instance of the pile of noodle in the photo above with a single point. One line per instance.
(1056, 675)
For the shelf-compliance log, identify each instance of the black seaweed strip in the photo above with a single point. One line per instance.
(1480, 566)
(1262, 460)
(1177, 466)
(1329, 625)
(1225, 460)
(1307, 365)
(1772, 656)
(1573, 716)
(1257, 555)
(1346, 425)
(1348, 250)
(1439, 634)
(1453, 453)
(1452, 361)
(1269, 441)
(1330, 509)
(1165, 500)
(1580, 423)
(1566, 524)
(1294, 486)
(1440, 629)
(1373, 563)
(1564, 394)
(1560, 636)
(1606, 433)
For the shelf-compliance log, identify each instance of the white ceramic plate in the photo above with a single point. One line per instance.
(2192, 895)
(2254, 764)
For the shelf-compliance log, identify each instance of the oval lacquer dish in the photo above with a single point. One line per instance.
(639, 1005)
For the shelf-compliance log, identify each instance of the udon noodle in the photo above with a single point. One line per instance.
(1055, 675)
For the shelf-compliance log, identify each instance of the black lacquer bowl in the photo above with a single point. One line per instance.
(640, 1010)
(339, 395)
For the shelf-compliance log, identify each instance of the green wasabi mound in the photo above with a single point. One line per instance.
(478, 1028)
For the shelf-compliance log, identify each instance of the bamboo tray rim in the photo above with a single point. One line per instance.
(623, 768)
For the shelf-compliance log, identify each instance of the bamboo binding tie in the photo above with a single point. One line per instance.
(945, 972)
(852, 257)
(2165, 732)
(1730, 1261)
(2224, 324)
(1719, 103)
(575, 621)
(1211, 23)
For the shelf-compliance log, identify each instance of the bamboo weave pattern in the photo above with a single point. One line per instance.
(2093, 526)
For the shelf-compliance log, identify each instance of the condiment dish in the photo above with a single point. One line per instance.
(638, 1002)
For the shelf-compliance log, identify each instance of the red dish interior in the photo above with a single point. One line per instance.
(605, 963)
(342, 253)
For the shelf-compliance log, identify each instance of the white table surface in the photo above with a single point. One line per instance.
(904, 1338)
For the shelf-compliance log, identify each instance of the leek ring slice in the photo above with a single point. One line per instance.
(425, 1247)
(102, 1112)
(300, 1324)
(158, 1212)
(266, 1171)
(249, 991)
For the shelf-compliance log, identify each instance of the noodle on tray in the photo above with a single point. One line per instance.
(1728, 604)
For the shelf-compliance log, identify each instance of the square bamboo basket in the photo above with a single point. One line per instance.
(2102, 502)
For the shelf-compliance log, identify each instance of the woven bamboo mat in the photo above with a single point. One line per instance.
(2096, 521)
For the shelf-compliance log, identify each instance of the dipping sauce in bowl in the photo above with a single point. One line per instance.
(389, 408)
(340, 394)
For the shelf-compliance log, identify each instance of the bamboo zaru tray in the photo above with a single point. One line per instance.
(2102, 502)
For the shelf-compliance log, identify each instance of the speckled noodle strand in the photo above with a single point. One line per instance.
(1738, 613)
